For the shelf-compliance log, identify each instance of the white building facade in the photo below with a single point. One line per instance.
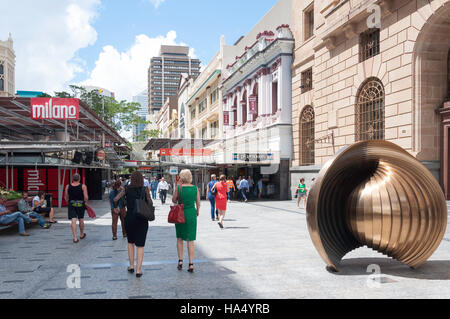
(7, 68)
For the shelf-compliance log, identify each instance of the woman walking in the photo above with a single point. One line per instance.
(301, 192)
(117, 210)
(187, 194)
(76, 195)
(211, 198)
(221, 198)
(136, 227)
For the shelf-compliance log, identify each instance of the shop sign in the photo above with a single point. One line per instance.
(185, 152)
(101, 155)
(226, 118)
(253, 104)
(173, 170)
(34, 180)
(145, 168)
(54, 109)
(246, 157)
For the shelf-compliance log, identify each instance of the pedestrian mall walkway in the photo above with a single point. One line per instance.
(263, 252)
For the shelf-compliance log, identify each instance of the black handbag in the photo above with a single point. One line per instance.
(213, 190)
(143, 209)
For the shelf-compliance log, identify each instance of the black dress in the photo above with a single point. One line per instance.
(135, 226)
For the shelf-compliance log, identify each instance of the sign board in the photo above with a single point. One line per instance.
(253, 157)
(145, 168)
(173, 170)
(101, 155)
(185, 152)
(55, 109)
(34, 180)
(253, 104)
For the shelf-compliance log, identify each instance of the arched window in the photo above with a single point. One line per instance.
(370, 111)
(244, 108)
(448, 76)
(255, 94)
(307, 133)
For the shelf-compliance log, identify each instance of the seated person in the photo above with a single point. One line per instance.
(37, 203)
(6, 217)
(25, 208)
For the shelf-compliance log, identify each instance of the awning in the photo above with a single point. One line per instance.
(158, 144)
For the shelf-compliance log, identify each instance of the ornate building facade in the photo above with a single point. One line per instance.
(7, 68)
(366, 70)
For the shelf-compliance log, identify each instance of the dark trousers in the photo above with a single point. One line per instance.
(212, 201)
(163, 196)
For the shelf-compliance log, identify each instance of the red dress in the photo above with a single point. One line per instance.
(221, 196)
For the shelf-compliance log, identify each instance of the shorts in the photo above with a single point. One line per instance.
(76, 212)
(301, 195)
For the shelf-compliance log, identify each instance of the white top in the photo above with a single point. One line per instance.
(36, 198)
(162, 186)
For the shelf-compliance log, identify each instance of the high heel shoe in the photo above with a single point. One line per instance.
(131, 270)
(138, 275)
(180, 264)
(191, 270)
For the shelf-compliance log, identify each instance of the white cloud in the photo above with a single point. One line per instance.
(46, 37)
(157, 3)
(125, 73)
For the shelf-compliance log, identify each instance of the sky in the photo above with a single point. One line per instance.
(109, 43)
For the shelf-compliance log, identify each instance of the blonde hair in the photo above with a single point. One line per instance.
(186, 176)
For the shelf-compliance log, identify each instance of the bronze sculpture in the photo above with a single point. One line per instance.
(374, 193)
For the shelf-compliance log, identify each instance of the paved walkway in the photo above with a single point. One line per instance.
(264, 252)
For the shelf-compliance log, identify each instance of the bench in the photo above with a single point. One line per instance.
(12, 207)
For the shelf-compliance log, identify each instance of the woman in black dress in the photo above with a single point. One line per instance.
(136, 227)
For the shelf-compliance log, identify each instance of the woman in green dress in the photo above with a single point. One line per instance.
(190, 197)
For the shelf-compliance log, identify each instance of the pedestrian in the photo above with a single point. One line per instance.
(243, 187)
(221, 198)
(154, 186)
(260, 188)
(230, 188)
(7, 217)
(37, 205)
(135, 227)
(76, 195)
(163, 188)
(238, 193)
(211, 197)
(26, 209)
(301, 193)
(251, 184)
(118, 210)
(189, 196)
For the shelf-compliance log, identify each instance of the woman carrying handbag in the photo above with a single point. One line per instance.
(136, 226)
(188, 195)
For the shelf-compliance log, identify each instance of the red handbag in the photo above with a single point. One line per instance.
(90, 211)
(176, 214)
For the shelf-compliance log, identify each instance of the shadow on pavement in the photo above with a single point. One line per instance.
(431, 270)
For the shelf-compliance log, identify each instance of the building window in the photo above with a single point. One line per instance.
(307, 80)
(193, 113)
(369, 44)
(307, 132)
(309, 23)
(214, 96)
(370, 111)
(204, 133)
(214, 129)
(274, 97)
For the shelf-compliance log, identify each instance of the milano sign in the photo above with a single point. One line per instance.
(54, 109)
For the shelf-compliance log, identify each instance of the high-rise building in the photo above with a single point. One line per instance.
(164, 74)
(142, 99)
(7, 67)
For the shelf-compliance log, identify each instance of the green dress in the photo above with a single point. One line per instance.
(188, 230)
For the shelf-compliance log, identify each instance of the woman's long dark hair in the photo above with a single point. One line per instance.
(137, 180)
(117, 185)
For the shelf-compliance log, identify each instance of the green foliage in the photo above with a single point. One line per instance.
(146, 135)
(44, 95)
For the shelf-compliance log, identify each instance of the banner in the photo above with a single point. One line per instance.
(253, 102)
(185, 152)
(54, 109)
(226, 118)
(34, 180)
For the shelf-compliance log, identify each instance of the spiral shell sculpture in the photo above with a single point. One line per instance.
(375, 194)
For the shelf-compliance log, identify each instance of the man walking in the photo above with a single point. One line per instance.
(163, 188)
(154, 186)
(251, 183)
(230, 188)
(243, 187)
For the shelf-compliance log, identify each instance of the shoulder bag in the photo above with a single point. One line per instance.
(143, 209)
(176, 214)
(214, 190)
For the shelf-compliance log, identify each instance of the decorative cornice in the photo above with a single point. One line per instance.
(350, 30)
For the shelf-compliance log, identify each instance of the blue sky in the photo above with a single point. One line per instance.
(198, 23)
